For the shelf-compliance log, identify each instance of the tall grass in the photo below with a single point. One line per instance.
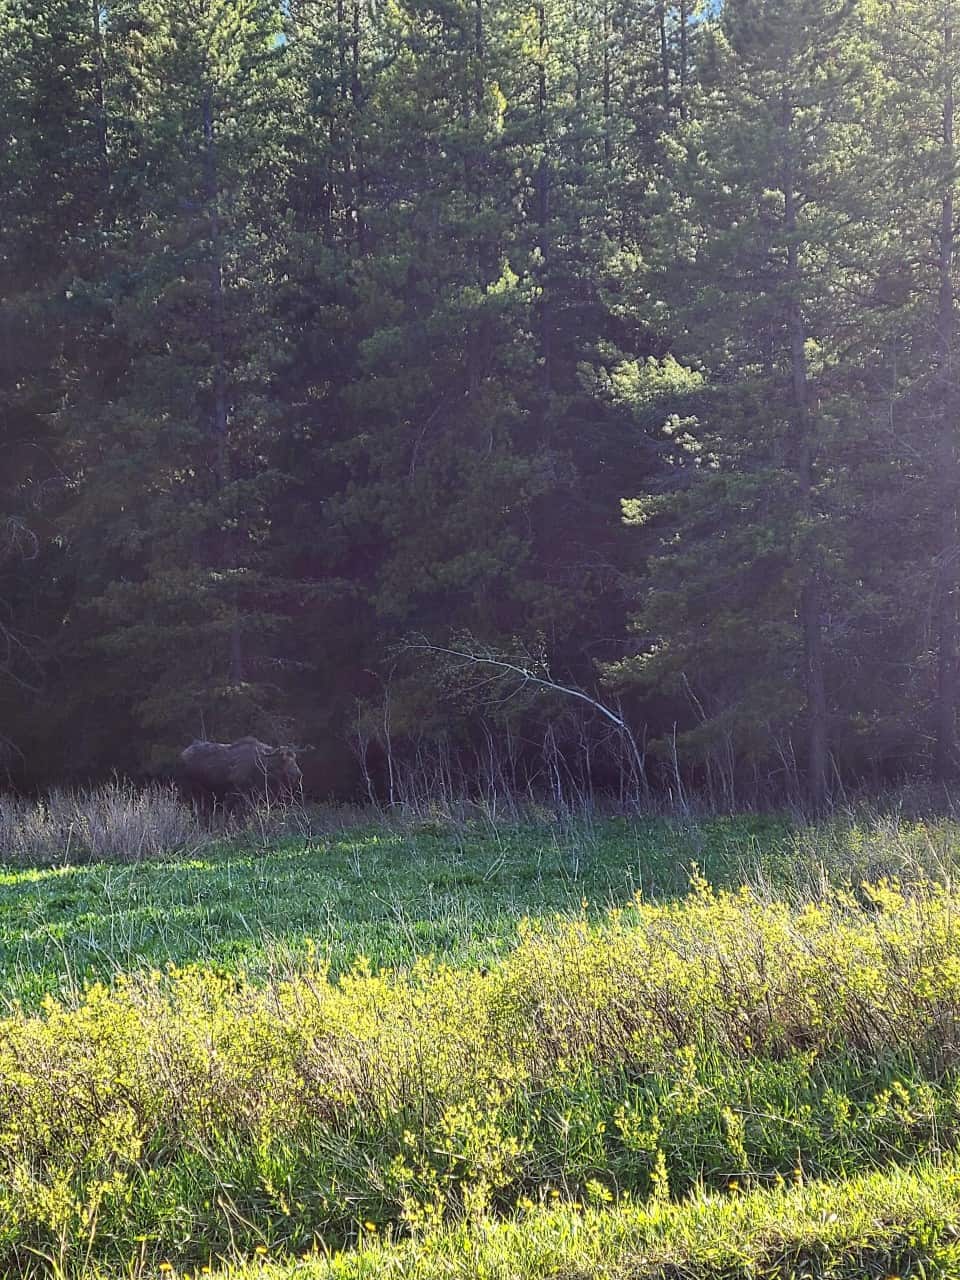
(123, 823)
(113, 823)
(896, 1224)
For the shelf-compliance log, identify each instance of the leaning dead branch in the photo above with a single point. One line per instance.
(527, 674)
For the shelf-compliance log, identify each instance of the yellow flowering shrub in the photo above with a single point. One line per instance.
(196, 1105)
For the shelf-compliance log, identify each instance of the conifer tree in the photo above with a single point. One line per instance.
(737, 604)
(59, 197)
(914, 138)
(176, 501)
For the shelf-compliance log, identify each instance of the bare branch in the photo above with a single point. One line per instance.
(528, 676)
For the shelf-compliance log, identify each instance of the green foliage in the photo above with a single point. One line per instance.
(891, 1224)
(302, 411)
(756, 247)
(459, 1032)
(326, 324)
(723, 1040)
(391, 895)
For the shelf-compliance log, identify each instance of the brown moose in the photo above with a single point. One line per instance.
(245, 769)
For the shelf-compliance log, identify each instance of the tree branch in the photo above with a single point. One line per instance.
(544, 682)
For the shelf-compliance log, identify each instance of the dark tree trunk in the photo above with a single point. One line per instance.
(810, 603)
(478, 56)
(221, 408)
(100, 97)
(607, 85)
(356, 94)
(575, 54)
(946, 717)
(343, 86)
(543, 200)
(684, 58)
(484, 255)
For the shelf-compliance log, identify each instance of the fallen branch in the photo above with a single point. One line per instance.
(545, 682)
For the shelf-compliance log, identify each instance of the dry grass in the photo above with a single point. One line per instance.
(122, 823)
(113, 823)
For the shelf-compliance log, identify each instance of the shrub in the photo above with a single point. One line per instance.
(723, 1037)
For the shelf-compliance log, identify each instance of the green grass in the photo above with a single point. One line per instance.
(387, 895)
(394, 894)
(300, 1072)
(721, 1039)
(895, 1225)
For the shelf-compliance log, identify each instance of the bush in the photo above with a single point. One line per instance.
(723, 1038)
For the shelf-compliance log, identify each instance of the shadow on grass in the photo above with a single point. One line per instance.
(393, 894)
(387, 895)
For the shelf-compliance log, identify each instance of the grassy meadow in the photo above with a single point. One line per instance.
(389, 894)
(354, 1046)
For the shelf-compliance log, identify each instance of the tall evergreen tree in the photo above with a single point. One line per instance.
(740, 594)
(915, 142)
(58, 197)
(167, 524)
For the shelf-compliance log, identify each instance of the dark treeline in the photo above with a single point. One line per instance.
(611, 337)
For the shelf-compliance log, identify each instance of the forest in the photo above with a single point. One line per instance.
(351, 347)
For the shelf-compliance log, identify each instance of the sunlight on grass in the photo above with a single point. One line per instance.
(892, 1225)
(441, 1032)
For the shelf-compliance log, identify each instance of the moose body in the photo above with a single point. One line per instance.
(246, 769)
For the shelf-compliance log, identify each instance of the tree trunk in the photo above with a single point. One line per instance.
(479, 53)
(664, 56)
(343, 87)
(543, 198)
(684, 57)
(356, 94)
(473, 161)
(810, 604)
(99, 80)
(576, 56)
(607, 85)
(486, 252)
(946, 718)
(221, 424)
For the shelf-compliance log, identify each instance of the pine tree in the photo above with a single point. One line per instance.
(915, 137)
(737, 605)
(57, 201)
(170, 518)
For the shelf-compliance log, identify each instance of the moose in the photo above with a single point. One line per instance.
(245, 769)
